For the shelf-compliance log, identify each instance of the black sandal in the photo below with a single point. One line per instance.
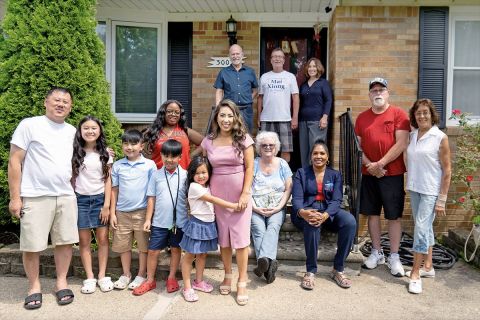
(34, 297)
(60, 294)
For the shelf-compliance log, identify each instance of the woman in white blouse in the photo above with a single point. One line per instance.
(428, 180)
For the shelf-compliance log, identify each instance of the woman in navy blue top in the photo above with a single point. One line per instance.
(315, 105)
(316, 199)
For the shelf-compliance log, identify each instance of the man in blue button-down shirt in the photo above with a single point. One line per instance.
(238, 83)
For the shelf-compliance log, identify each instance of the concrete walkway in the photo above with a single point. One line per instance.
(453, 294)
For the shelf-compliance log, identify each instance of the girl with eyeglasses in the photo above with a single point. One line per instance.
(170, 123)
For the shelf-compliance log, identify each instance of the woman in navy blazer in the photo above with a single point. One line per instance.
(316, 198)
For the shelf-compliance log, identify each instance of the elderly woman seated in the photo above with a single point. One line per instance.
(272, 185)
(316, 199)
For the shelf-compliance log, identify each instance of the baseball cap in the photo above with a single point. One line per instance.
(381, 81)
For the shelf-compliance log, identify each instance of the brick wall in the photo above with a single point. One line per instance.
(364, 42)
(380, 41)
(210, 40)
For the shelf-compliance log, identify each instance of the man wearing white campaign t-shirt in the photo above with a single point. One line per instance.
(276, 90)
(41, 194)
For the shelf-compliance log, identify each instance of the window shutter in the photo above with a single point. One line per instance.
(180, 65)
(433, 60)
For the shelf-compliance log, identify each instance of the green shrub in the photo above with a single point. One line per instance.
(43, 44)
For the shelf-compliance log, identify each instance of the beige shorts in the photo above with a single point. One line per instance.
(44, 215)
(129, 227)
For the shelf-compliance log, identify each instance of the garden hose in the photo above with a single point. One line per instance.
(442, 257)
(475, 234)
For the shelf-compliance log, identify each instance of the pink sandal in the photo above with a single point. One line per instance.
(202, 286)
(190, 295)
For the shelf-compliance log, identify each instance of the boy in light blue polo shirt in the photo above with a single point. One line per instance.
(130, 177)
(166, 215)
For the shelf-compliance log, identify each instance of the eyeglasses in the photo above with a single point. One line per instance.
(267, 146)
(173, 112)
(424, 113)
(378, 91)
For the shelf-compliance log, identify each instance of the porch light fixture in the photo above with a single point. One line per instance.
(328, 8)
(232, 30)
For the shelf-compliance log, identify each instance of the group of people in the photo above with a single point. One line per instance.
(281, 105)
(394, 143)
(390, 139)
(220, 195)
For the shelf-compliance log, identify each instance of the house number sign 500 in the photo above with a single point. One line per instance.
(219, 62)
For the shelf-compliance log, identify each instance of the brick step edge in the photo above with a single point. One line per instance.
(289, 252)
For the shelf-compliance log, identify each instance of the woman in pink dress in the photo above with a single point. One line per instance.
(230, 151)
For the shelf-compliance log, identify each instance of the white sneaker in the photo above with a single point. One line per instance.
(374, 259)
(415, 286)
(396, 268)
(423, 273)
(136, 282)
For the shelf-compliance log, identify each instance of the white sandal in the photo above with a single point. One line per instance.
(241, 299)
(105, 284)
(226, 289)
(122, 282)
(89, 286)
(136, 282)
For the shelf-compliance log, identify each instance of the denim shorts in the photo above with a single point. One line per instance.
(423, 211)
(160, 238)
(89, 208)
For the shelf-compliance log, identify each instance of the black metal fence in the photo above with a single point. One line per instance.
(351, 165)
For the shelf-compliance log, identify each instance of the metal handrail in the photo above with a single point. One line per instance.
(351, 166)
(210, 119)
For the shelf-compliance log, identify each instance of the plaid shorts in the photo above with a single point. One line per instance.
(284, 131)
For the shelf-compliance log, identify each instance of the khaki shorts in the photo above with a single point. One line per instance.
(129, 227)
(44, 215)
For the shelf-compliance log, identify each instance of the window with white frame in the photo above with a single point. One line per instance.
(135, 70)
(101, 31)
(464, 64)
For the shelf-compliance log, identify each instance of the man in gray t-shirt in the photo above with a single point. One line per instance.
(276, 91)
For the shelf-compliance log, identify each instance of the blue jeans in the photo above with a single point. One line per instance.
(308, 132)
(247, 115)
(423, 211)
(342, 223)
(265, 231)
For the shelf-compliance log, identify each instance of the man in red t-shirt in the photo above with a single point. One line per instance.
(383, 134)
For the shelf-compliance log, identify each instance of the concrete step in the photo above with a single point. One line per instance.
(291, 254)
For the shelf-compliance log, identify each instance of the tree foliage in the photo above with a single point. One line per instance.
(43, 44)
